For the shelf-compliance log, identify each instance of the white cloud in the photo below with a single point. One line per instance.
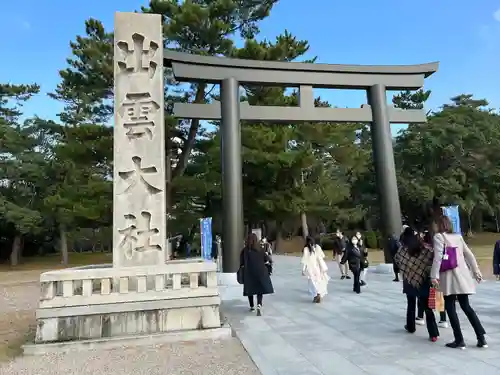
(496, 15)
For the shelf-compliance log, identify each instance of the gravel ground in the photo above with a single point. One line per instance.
(226, 357)
(18, 302)
(17, 315)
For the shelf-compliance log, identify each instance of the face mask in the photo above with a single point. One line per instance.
(354, 241)
(358, 235)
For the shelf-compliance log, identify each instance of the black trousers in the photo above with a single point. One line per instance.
(430, 319)
(451, 310)
(259, 300)
(421, 308)
(356, 274)
(395, 268)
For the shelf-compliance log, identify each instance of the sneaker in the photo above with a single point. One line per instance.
(443, 324)
(420, 321)
(252, 309)
(362, 283)
(259, 310)
(348, 277)
(456, 345)
(342, 277)
(481, 343)
(396, 280)
(433, 339)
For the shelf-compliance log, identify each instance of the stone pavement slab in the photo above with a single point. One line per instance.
(352, 334)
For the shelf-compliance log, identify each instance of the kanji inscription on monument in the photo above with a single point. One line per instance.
(136, 58)
(138, 112)
(136, 237)
(139, 212)
(138, 175)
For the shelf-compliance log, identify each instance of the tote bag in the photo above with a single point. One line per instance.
(449, 261)
(439, 301)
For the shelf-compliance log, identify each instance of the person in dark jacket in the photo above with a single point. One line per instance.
(394, 244)
(366, 264)
(215, 248)
(256, 278)
(496, 260)
(415, 258)
(339, 246)
(354, 256)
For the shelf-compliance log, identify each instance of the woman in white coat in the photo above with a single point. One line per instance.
(316, 270)
(451, 273)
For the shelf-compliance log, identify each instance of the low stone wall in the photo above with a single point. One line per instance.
(90, 303)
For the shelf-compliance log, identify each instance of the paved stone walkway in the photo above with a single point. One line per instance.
(349, 334)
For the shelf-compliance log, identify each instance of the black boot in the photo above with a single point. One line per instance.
(481, 342)
(456, 345)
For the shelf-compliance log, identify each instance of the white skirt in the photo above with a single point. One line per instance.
(313, 291)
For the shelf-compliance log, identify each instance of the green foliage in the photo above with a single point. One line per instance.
(372, 240)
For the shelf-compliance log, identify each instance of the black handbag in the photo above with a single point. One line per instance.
(268, 261)
(269, 267)
(366, 264)
(240, 275)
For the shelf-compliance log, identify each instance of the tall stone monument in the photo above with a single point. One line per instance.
(139, 295)
(139, 211)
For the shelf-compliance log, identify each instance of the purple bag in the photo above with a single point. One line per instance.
(450, 261)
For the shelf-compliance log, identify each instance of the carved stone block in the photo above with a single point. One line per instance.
(139, 217)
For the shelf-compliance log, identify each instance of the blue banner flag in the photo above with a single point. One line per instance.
(453, 214)
(206, 237)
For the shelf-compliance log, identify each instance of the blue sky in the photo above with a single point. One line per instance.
(464, 36)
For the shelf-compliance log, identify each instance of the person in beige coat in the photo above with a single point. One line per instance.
(456, 284)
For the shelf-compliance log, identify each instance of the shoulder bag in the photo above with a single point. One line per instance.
(240, 274)
(449, 261)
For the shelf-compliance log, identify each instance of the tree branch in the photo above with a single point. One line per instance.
(193, 131)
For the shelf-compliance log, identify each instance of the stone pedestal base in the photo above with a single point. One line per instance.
(220, 333)
(103, 302)
(197, 314)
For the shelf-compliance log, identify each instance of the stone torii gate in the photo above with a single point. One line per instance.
(230, 73)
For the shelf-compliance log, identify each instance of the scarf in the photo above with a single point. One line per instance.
(415, 270)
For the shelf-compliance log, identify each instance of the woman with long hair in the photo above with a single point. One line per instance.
(316, 270)
(254, 262)
(414, 260)
(427, 238)
(451, 273)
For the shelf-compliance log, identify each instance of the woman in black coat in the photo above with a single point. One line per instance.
(255, 264)
(355, 257)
